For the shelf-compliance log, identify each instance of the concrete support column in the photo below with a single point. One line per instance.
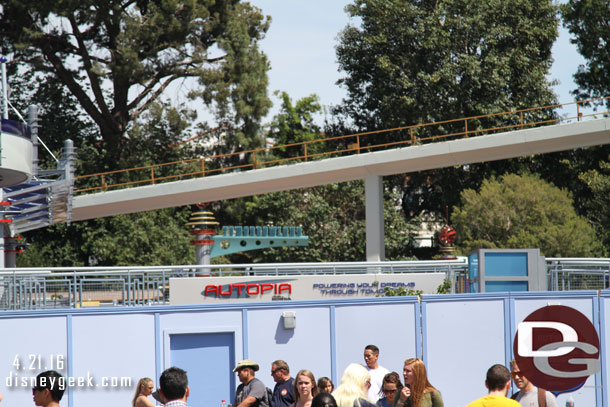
(375, 243)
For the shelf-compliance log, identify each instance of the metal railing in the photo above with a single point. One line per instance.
(62, 287)
(566, 274)
(327, 147)
(27, 289)
(80, 287)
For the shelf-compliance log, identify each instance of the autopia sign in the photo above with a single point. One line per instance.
(201, 290)
(557, 348)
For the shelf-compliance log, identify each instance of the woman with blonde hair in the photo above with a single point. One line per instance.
(418, 392)
(353, 388)
(144, 388)
(304, 388)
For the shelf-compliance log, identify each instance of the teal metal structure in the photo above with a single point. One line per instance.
(244, 238)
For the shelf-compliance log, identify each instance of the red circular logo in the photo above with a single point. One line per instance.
(557, 348)
(284, 392)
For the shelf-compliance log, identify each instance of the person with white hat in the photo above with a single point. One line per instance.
(251, 392)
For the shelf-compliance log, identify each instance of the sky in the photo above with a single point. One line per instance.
(301, 40)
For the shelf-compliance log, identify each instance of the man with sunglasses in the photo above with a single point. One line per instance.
(528, 394)
(283, 392)
(49, 389)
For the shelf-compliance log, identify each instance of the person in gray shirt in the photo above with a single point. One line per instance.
(251, 392)
(528, 394)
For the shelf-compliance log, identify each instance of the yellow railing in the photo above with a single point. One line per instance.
(330, 147)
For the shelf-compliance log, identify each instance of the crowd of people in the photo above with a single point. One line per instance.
(367, 385)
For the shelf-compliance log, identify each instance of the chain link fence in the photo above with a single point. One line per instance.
(566, 274)
(27, 289)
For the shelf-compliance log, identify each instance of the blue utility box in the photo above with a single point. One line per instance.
(500, 270)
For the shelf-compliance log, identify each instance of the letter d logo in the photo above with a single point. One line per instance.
(557, 348)
(526, 339)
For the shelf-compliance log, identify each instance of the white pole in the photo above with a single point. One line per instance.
(4, 88)
(375, 243)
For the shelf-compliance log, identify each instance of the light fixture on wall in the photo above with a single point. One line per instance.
(290, 319)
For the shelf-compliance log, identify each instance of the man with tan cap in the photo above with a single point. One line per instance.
(251, 392)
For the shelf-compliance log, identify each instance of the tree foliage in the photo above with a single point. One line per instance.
(521, 211)
(598, 182)
(295, 122)
(412, 62)
(60, 117)
(587, 21)
(116, 57)
(146, 238)
(333, 216)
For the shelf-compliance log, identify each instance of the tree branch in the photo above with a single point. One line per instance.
(156, 79)
(152, 97)
(67, 78)
(93, 79)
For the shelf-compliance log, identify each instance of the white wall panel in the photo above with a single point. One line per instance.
(585, 396)
(462, 340)
(389, 326)
(305, 347)
(30, 340)
(108, 348)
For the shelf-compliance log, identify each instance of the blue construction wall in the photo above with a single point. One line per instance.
(459, 336)
(464, 334)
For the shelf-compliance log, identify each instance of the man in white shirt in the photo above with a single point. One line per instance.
(377, 372)
(528, 394)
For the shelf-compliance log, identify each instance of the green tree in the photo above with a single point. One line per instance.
(412, 62)
(598, 182)
(333, 216)
(146, 238)
(521, 211)
(295, 123)
(60, 117)
(587, 21)
(116, 57)
(152, 138)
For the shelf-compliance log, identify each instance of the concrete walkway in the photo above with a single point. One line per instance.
(403, 160)
(368, 166)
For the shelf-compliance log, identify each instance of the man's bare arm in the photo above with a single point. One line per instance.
(247, 402)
